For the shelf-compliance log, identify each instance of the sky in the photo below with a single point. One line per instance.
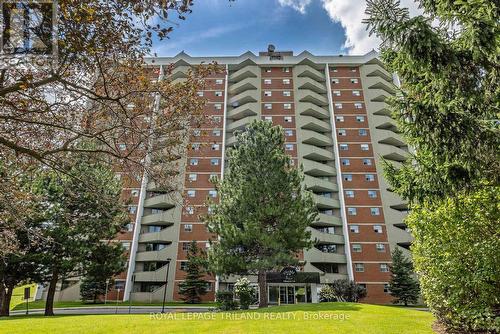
(322, 27)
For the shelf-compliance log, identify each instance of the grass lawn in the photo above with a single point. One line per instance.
(110, 303)
(18, 296)
(336, 318)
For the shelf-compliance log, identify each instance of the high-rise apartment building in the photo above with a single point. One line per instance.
(337, 126)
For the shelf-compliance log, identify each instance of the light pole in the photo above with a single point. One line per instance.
(165, 290)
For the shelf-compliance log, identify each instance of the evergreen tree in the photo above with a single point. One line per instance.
(264, 210)
(403, 286)
(194, 286)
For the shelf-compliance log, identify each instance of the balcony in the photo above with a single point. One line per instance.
(393, 153)
(179, 72)
(315, 153)
(162, 255)
(314, 124)
(326, 202)
(315, 138)
(316, 184)
(164, 218)
(311, 109)
(240, 124)
(166, 234)
(308, 71)
(315, 255)
(326, 237)
(328, 220)
(245, 72)
(306, 95)
(163, 201)
(308, 83)
(151, 276)
(248, 109)
(245, 97)
(375, 70)
(315, 168)
(243, 85)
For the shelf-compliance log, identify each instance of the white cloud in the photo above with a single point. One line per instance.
(298, 5)
(350, 14)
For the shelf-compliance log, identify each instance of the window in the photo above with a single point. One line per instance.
(344, 147)
(386, 288)
(120, 285)
(363, 132)
(192, 177)
(268, 93)
(335, 81)
(200, 93)
(134, 193)
(196, 133)
(268, 118)
(377, 229)
(215, 147)
(349, 193)
(353, 69)
(375, 211)
(380, 247)
(289, 147)
(195, 146)
(216, 133)
(360, 119)
(268, 70)
(364, 147)
(126, 245)
(217, 119)
(354, 228)
(287, 106)
(190, 210)
(191, 193)
(268, 106)
(358, 105)
(356, 93)
(287, 93)
(336, 92)
(339, 118)
(372, 194)
(188, 227)
(367, 162)
(352, 211)
(185, 246)
(212, 193)
(132, 209)
(286, 81)
(286, 69)
(122, 147)
(210, 210)
(384, 268)
(213, 177)
(346, 162)
(338, 105)
(347, 177)
(218, 93)
(219, 81)
(356, 248)
(267, 81)
(334, 69)
(370, 177)
(214, 162)
(288, 119)
(183, 265)
(359, 267)
(129, 227)
(288, 133)
(218, 106)
(354, 81)
(342, 132)
(193, 162)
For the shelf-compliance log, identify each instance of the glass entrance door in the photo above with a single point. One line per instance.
(287, 295)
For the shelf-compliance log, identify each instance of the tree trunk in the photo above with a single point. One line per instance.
(5, 310)
(49, 304)
(2, 294)
(262, 288)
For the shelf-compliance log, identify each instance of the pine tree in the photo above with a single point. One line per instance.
(403, 286)
(194, 286)
(263, 211)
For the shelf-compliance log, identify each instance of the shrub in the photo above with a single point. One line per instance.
(225, 301)
(245, 292)
(456, 255)
(342, 290)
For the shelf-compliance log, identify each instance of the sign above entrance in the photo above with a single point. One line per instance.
(291, 275)
(288, 275)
